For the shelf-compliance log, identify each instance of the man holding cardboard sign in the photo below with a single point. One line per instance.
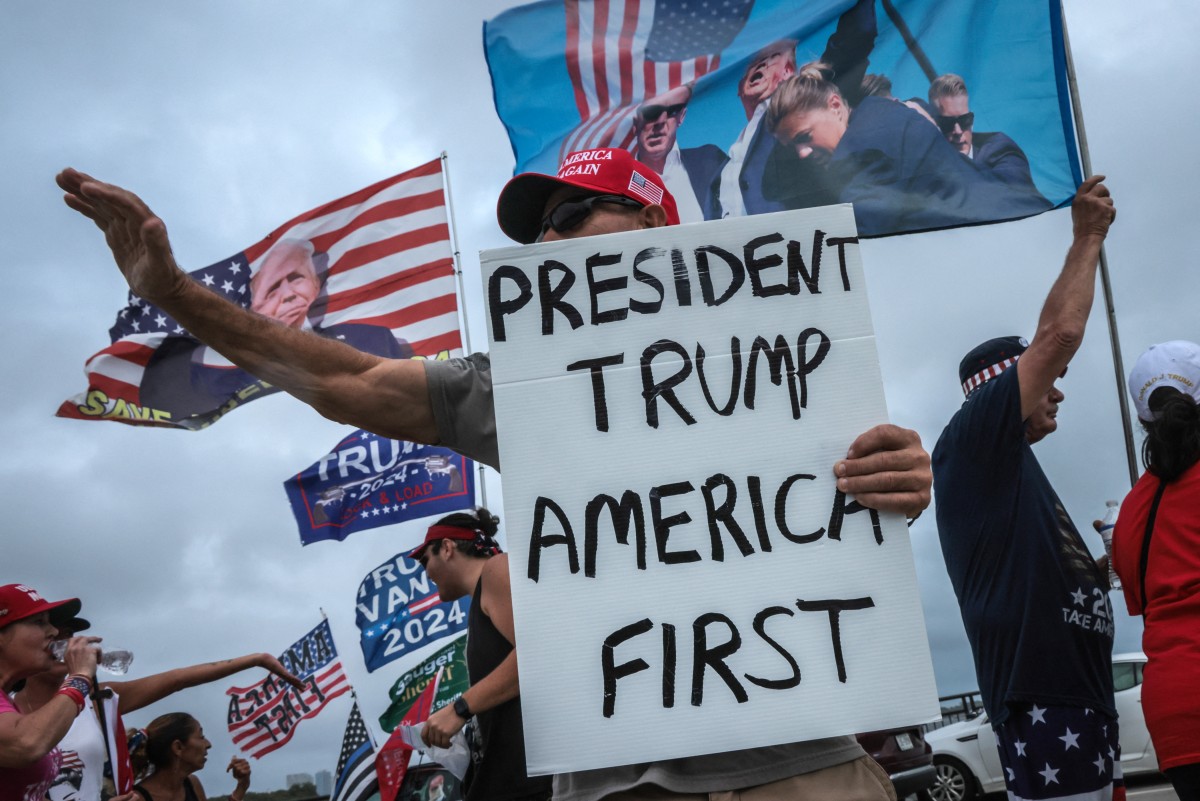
(596, 192)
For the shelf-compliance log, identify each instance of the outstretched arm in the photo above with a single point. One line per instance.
(502, 683)
(142, 692)
(887, 469)
(1065, 312)
(385, 396)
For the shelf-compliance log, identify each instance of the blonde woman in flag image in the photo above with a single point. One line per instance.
(899, 172)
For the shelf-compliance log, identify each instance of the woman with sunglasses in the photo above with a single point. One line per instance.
(898, 170)
(29, 755)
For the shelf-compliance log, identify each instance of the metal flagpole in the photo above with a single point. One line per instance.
(462, 309)
(1109, 306)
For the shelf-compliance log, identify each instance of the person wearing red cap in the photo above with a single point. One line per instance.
(595, 192)
(462, 558)
(29, 755)
(88, 754)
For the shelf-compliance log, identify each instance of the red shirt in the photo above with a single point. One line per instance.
(1171, 689)
(29, 782)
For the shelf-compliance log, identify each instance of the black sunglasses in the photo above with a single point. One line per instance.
(652, 113)
(570, 213)
(964, 121)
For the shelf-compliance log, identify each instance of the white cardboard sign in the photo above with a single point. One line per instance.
(686, 578)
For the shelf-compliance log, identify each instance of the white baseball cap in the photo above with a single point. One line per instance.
(1168, 364)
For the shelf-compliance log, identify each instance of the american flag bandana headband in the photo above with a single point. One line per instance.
(987, 374)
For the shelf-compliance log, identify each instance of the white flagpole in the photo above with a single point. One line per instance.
(1109, 306)
(462, 309)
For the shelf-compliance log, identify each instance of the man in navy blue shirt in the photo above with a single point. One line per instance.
(1034, 602)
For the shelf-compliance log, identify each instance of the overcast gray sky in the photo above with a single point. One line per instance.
(230, 118)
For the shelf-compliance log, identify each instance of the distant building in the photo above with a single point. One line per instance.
(299, 778)
(324, 782)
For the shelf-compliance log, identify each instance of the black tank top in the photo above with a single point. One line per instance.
(499, 774)
(189, 792)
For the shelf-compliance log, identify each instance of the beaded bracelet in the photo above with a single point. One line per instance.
(72, 692)
(87, 680)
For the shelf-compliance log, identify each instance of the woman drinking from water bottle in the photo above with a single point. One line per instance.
(83, 776)
(29, 754)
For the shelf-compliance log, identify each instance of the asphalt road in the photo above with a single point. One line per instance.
(1153, 788)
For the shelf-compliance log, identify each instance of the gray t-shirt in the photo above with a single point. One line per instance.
(460, 393)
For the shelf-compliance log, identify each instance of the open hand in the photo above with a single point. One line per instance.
(135, 235)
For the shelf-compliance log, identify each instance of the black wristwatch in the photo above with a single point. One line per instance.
(461, 709)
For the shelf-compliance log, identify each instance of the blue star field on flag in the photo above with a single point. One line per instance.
(1059, 752)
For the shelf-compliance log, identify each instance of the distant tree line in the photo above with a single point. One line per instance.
(298, 792)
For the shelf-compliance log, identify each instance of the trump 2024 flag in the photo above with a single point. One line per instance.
(368, 481)
(373, 269)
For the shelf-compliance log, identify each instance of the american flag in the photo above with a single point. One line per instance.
(644, 189)
(356, 780)
(263, 717)
(621, 52)
(70, 761)
(383, 256)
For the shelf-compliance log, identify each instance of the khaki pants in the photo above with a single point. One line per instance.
(860, 780)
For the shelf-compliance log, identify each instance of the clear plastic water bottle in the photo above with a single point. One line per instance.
(114, 660)
(1106, 533)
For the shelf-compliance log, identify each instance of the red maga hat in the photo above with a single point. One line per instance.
(18, 602)
(605, 171)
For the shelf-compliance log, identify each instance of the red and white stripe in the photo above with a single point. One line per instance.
(987, 374)
(390, 264)
(390, 259)
(257, 740)
(606, 62)
(114, 375)
(417, 607)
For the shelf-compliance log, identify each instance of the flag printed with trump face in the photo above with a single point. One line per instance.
(373, 269)
(940, 113)
(263, 717)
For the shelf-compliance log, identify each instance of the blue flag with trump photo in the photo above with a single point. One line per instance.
(924, 114)
(368, 481)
